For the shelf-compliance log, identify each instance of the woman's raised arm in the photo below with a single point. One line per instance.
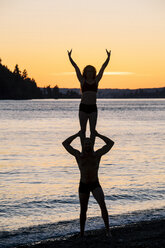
(100, 74)
(78, 73)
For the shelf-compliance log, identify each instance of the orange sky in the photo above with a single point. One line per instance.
(36, 36)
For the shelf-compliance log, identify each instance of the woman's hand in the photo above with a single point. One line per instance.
(100, 74)
(78, 73)
(69, 52)
(108, 53)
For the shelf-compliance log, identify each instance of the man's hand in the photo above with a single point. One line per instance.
(66, 143)
(79, 133)
(96, 133)
(108, 144)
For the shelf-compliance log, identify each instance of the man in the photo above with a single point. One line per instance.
(88, 163)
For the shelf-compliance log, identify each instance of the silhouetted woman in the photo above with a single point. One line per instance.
(89, 84)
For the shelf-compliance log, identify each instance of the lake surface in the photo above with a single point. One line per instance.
(39, 179)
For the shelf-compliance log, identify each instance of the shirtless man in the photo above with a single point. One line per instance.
(88, 163)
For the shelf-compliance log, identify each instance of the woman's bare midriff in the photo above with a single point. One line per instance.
(88, 97)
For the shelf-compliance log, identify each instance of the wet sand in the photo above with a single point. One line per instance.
(150, 234)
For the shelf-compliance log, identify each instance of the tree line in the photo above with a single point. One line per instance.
(137, 93)
(17, 85)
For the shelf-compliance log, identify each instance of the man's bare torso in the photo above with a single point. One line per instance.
(88, 165)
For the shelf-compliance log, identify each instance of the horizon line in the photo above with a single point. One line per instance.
(110, 88)
(105, 73)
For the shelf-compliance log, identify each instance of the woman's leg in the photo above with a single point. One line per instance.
(83, 118)
(92, 123)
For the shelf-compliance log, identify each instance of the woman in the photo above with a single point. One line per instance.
(89, 84)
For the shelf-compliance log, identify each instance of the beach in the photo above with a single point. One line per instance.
(146, 234)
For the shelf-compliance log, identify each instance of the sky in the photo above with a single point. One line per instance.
(36, 34)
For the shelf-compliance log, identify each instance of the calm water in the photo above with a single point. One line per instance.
(39, 179)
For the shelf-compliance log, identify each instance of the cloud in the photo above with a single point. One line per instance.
(67, 73)
(118, 73)
(105, 73)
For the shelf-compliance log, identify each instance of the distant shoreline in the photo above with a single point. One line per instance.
(108, 93)
(147, 88)
(68, 98)
(111, 93)
(17, 85)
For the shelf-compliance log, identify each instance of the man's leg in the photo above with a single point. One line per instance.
(84, 197)
(99, 196)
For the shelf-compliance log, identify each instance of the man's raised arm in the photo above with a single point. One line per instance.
(66, 143)
(105, 148)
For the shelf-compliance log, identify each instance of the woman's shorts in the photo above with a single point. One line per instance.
(88, 108)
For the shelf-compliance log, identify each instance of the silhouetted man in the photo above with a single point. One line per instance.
(88, 163)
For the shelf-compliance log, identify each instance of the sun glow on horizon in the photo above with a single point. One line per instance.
(36, 36)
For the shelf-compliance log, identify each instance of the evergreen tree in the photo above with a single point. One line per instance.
(55, 92)
(13, 85)
(24, 74)
(49, 91)
(17, 71)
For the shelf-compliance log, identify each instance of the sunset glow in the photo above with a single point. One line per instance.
(37, 34)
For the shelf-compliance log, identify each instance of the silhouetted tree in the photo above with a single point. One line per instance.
(13, 85)
(17, 71)
(24, 74)
(55, 92)
(72, 94)
(49, 92)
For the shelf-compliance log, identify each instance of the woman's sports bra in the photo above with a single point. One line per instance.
(89, 87)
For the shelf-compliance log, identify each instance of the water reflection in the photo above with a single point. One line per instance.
(39, 181)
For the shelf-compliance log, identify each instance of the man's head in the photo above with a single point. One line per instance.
(88, 146)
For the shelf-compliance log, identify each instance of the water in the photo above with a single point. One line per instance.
(39, 179)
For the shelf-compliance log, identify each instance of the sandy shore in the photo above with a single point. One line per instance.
(141, 235)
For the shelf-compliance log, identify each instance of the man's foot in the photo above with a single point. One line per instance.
(109, 239)
(83, 238)
(108, 234)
